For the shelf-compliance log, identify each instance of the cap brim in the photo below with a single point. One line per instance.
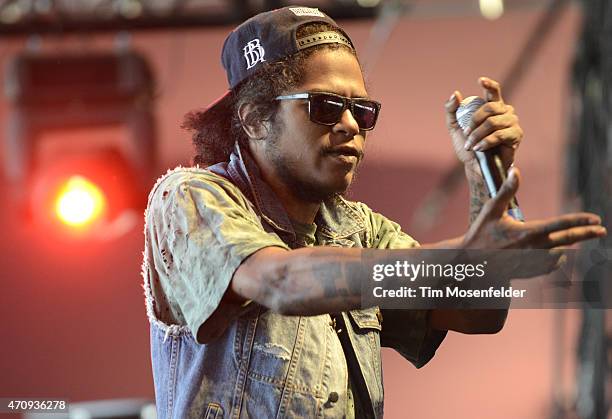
(216, 112)
(224, 102)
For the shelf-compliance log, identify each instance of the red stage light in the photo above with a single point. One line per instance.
(81, 141)
(85, 196)
(80, 202)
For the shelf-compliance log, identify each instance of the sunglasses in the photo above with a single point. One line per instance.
(327, 108)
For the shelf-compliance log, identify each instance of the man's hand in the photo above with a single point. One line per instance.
(495, 229)
(494, 124)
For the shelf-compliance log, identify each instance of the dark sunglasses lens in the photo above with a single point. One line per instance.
(366, 113)
(325, 109)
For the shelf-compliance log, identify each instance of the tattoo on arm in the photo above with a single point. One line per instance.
(315, 283)
(340, 279)
(329, 277)
(478, 191)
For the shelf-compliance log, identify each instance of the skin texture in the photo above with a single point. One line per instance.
(299, 159)
(292, 153)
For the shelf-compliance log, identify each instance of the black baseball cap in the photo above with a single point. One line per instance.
(269, 37)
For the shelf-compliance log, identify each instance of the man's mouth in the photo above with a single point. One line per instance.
(347, 159)
(346, 154)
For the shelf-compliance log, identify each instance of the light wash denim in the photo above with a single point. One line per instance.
(267, 365)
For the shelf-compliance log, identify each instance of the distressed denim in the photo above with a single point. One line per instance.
(264, 364)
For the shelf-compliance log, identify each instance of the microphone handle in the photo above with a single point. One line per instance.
(494, 175)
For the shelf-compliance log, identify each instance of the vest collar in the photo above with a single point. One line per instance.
(336, 218)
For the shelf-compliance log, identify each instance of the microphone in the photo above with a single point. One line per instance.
(490, 162)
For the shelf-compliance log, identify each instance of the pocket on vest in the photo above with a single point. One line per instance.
(369, 318)
(213, 411)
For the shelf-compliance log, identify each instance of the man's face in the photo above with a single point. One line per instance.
(316, 161)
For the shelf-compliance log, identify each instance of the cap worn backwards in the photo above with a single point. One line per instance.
(270, 37)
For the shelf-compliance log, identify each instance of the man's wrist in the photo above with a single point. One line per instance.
(473, 172)
(479, 193)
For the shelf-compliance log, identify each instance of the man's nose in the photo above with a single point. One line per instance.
(347, 124)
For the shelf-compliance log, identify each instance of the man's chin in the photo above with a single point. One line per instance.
(321, 192)
(338, 188)
(320, 189)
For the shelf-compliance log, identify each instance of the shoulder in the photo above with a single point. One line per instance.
(190, 176)
(195, 181)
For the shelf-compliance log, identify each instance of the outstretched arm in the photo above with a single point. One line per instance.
(319, 280)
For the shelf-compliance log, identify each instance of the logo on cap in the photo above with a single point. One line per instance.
(253, 53)
(306, 11)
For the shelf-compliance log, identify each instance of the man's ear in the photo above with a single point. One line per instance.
(255, 128)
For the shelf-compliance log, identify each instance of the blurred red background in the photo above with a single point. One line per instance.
(74, 320)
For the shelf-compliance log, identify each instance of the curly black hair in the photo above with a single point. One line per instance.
(215, 132)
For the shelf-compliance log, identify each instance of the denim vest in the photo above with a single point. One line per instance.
(263, 364)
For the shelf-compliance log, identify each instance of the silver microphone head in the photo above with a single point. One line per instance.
(466, 109)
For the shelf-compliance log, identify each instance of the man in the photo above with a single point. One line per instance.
(253, 266)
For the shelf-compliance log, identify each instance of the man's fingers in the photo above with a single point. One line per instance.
(451, 106)
(564, 222)
(508, 137)
(492, 89)
(452, 103)
(563, 231)
(575, 235)
(490, 126)
(537, 262)
(506, 193)
(488, 110)
(554, 261)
